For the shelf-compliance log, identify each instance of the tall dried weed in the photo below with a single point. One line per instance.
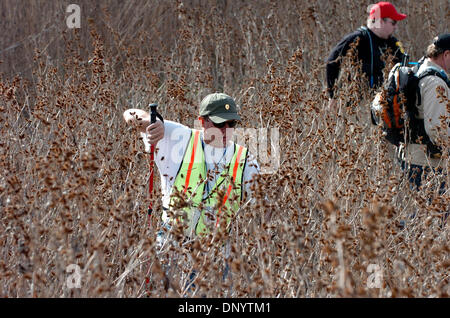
(73, 177)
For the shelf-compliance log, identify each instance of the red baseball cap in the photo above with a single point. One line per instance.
(385, 10)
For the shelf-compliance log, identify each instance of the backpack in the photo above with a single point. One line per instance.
(395, 107)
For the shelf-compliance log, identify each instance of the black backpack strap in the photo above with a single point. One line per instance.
(431, 72)
(366, 31)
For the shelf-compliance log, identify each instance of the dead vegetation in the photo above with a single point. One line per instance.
(73, 177)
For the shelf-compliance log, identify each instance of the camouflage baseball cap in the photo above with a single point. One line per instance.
(219, 107)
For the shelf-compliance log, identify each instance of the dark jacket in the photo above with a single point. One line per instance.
(379, 48)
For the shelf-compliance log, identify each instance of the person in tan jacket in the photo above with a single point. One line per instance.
(433, 109)
(435, 94)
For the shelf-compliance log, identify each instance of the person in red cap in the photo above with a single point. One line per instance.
(375, 40)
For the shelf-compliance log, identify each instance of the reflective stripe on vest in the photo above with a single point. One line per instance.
(230, 187)
(191, 180)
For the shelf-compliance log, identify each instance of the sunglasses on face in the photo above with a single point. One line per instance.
(393, 22)
(230, 124)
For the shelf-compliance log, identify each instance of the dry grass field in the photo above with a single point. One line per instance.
(74, 177)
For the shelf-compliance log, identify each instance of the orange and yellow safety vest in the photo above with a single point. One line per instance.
(190, 184)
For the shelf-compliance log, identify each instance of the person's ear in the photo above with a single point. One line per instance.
(202, 121)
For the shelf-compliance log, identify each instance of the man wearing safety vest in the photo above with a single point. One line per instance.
(205, 176)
